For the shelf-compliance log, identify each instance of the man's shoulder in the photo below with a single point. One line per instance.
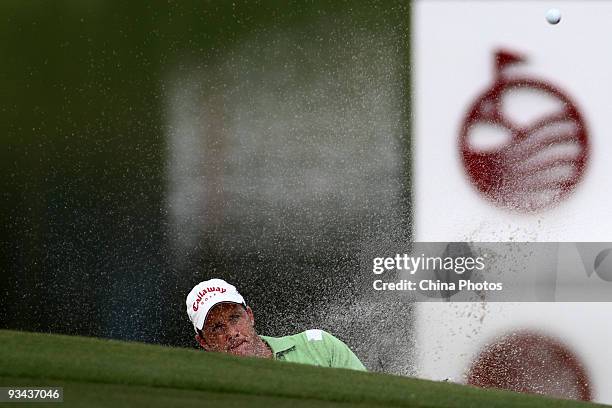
(311, 335)
(316, 337)
(316, 347)
(308, 338)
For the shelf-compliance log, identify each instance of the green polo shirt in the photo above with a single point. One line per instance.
(315, 347)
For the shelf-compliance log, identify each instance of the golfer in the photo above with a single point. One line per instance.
(224, 323)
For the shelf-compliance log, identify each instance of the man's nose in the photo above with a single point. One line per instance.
(233, 331)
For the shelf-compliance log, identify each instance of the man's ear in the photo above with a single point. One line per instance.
(249, 312)
(202, 342)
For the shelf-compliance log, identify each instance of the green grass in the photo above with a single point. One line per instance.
(105, 373)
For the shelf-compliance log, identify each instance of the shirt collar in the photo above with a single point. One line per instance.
(279, 345)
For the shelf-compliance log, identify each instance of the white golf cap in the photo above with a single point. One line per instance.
(207, 294)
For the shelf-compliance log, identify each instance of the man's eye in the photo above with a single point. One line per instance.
(235, 318)
(217, 329)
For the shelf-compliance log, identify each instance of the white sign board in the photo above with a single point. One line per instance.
(454, 50)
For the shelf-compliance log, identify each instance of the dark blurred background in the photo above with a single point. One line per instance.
(149, 146)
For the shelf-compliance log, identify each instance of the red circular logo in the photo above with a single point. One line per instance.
(531, 363)
(535, 165)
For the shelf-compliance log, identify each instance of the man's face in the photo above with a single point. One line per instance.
(229, 328)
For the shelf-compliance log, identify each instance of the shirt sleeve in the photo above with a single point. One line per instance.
(341, 355)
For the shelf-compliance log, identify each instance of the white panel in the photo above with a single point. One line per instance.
(453, 44)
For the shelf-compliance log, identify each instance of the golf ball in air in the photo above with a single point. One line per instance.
(553, 16)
